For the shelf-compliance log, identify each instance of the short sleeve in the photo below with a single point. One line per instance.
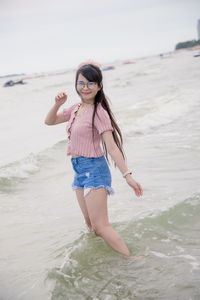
(67, 111)
(102, 120)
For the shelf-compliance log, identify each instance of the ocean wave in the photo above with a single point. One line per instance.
(18, 171)
(92, 270)
(151, 115)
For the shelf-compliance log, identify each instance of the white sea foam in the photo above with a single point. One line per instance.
(159, 254)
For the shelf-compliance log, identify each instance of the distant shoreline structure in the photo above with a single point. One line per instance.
(187, 44)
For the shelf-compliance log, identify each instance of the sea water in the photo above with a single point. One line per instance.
(45, 249)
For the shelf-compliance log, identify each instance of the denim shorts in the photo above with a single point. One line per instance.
(91, 172)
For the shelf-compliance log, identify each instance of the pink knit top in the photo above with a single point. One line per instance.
(79, 130)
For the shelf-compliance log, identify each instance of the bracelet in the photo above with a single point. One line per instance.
(126, 173)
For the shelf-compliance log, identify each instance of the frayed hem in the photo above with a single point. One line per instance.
(88, 189)
(108, 188)
(75, 187)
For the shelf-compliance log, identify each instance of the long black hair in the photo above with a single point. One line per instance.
(93, 73)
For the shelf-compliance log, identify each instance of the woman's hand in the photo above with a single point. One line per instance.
(135, 185)
(60, 99)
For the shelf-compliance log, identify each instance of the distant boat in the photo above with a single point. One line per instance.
(11, 83)
(108, 68)
(165, 55)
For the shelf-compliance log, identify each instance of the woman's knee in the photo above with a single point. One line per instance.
(99, 229)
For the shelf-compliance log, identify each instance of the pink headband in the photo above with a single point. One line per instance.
(92, 62)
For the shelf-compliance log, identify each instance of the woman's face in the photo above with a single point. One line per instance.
(87, 89)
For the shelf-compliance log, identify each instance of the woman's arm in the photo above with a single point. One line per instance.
(53, 117)
(116, 155)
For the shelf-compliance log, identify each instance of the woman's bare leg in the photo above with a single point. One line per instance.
(82, 204)
(96, 201)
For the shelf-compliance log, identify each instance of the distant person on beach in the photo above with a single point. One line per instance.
(91, 122)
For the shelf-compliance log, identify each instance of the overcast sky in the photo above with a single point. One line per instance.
(44, 35)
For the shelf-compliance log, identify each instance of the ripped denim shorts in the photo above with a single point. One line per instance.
(91, 172)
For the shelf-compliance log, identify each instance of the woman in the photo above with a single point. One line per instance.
(91, 122)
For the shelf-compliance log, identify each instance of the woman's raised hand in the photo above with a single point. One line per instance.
(135, 185)
(61, 98)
